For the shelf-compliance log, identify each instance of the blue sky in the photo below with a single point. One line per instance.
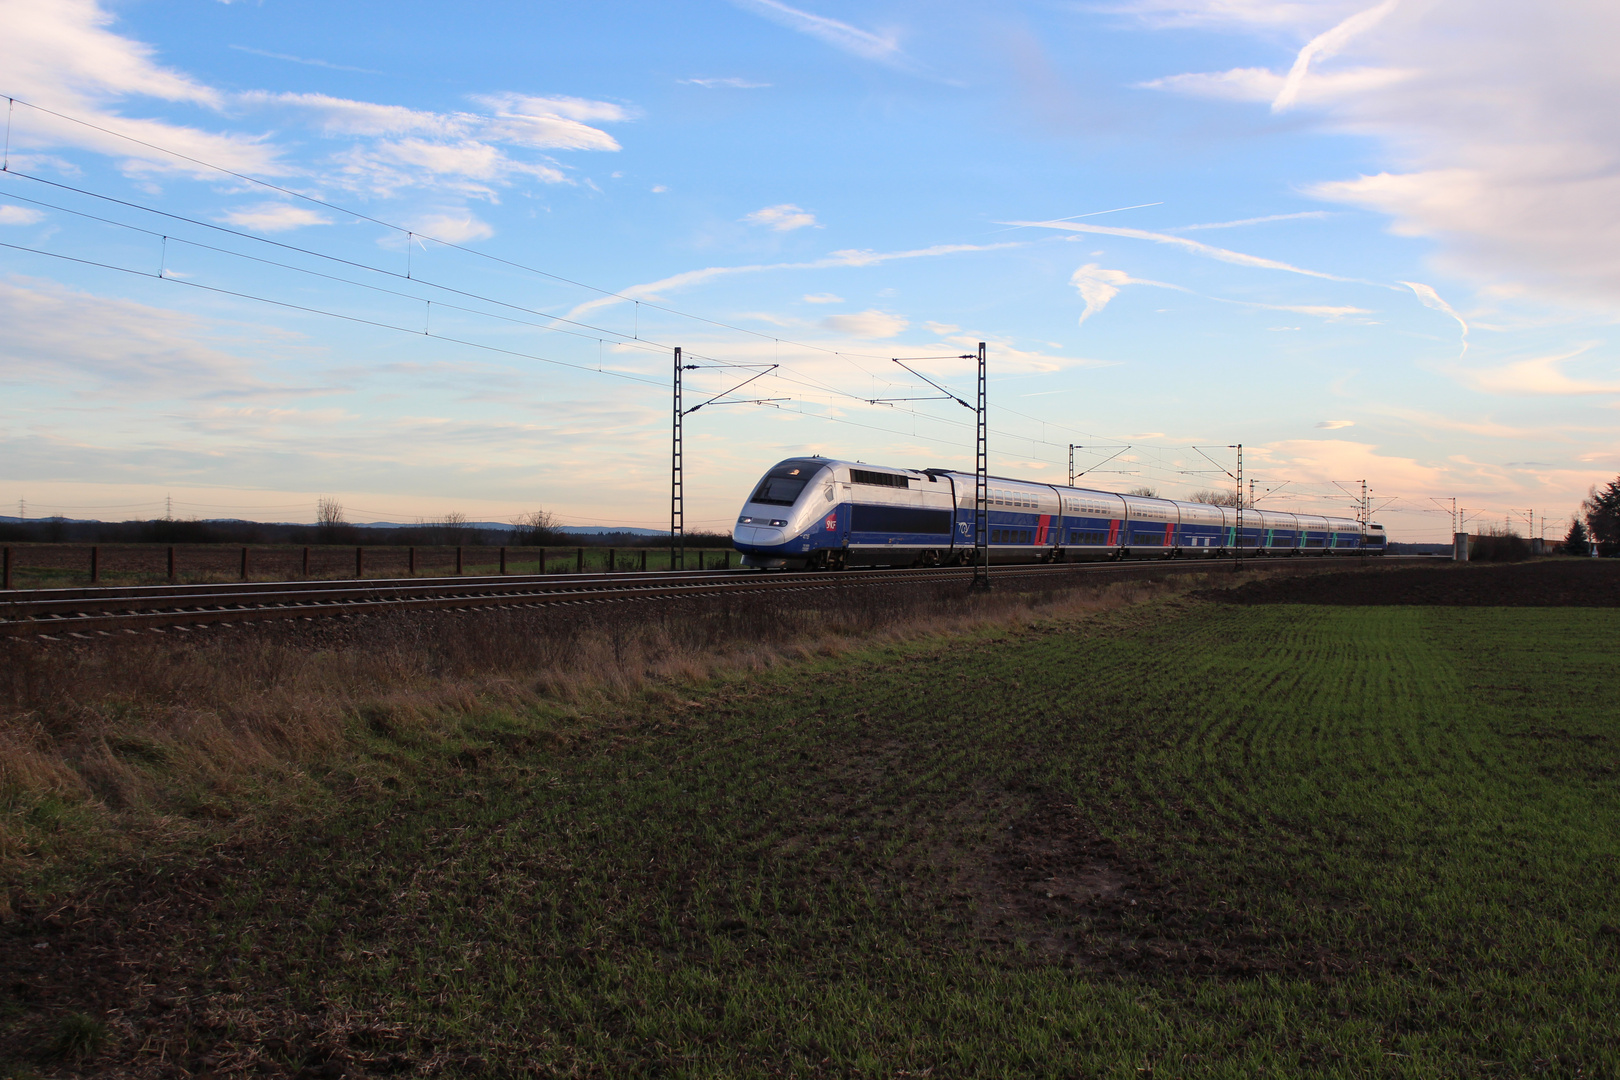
(1366, 240)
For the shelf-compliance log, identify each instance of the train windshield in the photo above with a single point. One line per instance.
(782, 486)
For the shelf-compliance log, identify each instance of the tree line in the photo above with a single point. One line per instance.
(1598, 523)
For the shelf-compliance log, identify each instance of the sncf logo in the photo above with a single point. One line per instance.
(832, 522)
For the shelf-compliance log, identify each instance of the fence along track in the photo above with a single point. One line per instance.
(81, 612)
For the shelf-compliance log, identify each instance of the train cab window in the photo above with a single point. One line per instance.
(782, 487)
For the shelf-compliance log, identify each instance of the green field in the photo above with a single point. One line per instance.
(1181, 839)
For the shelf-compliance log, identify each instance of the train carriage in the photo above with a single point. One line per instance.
(823, 513)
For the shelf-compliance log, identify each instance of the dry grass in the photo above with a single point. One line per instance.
(146, 741)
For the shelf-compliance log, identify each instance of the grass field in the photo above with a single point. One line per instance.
(1180, 839)
(67, 566)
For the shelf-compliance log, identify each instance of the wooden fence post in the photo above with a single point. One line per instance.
(579, 561)
(6, 572)
(410, 561)
(244, 562)
(171, 564)
(643, 558)
(503, 560)
(542, 568)
(306, 562)
(613, 560)
(95, 564)
(458, 558)
(359, 562)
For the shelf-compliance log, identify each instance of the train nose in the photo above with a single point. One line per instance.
(762, 531)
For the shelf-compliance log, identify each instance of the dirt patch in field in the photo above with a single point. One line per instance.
(139, 964)
(1058, 891)
(1550, 583)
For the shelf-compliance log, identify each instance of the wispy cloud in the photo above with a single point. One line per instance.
(1431, 299)
(823, 298)
(302, 60)
(731, 83)
(849, 257)
(1304, 214)
(1325, 45)
(871, 323)
(782, 218)
(1334, 424)
(275, 217)
(1237, 258)
(840, 35)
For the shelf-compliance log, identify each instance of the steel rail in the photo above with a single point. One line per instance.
(81, 612)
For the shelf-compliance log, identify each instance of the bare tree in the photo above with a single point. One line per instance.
(1144, 491)
(536, 528)
(330, 526)
(453, 528)
(1211, 497)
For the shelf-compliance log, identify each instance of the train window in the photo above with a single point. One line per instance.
(781, 487)
(878, 479)
(1147, 539)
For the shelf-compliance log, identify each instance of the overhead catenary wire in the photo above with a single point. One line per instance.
(412, 236)
(631, 340)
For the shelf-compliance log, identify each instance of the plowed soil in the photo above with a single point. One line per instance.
(1549, 583)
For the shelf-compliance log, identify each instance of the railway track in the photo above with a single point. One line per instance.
(96, 612)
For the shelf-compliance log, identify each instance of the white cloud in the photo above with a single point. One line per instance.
(551, 123)
(64, 56)
(782, 218)
(1336, 423)
(275, 217)
(726, 84)
(1098, 285)
(866, 324)
(1499, 130)
(58, 335)
(451, 227)
(19, 215)
(344, 116)
(1538, 375)
(822, 298)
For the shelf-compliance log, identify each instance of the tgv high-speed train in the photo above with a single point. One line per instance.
(819, 513)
